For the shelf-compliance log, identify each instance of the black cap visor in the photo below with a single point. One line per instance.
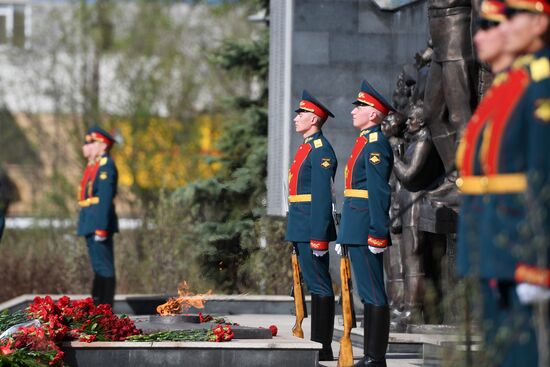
(485, 24)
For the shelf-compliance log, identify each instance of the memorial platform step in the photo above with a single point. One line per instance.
(279, 351)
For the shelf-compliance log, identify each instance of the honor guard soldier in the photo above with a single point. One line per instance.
(490, 45)
(364, 228)
(310, 222)
(97, 218)
(514, 180)
(472, 253)
(85, 184)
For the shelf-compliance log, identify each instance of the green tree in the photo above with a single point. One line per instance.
(225, 208)
(131, 66)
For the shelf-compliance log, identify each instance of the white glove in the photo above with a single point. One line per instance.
(338, 249)
(99, 238)
(530, 293)
(377, 250)
(319, 253)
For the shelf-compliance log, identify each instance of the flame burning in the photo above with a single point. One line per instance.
(183, 302)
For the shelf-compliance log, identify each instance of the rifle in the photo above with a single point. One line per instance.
(299, 298)
(345, 359)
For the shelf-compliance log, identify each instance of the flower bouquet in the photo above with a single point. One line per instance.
(58, 321)
(219, 333)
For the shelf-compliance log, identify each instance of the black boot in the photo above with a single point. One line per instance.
(376, 335)
(101, 285)
(322, 324)
(108, 295)
(366, 324)
(96, 289)
(105, 290)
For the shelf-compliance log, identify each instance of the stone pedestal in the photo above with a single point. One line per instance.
(281, 351)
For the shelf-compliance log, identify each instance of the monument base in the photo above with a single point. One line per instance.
(279, 351)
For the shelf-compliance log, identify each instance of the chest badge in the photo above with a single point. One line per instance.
(374, 158)
(325, 162)
(103, 175)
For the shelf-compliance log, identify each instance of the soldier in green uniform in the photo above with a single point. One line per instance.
(489, 41)
(504, 160)
(98, 220)
(364, 228)
(310, 225)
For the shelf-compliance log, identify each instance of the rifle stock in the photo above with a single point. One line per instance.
(299, 299)
(345, 359)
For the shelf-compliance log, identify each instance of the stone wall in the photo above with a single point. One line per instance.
(328, 47)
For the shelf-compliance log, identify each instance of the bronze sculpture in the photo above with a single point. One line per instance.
(393, 127)
(416, 170)
(450, 92)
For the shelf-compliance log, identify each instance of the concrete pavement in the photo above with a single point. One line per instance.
(284, 324)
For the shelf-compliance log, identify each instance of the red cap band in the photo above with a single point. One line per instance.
(100, 137)
(312, 107)
(371, 101)
(493, 10)
(536, 6)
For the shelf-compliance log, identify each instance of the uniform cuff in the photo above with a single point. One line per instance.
(377, 242)
(318, 245)
(533, 275)
(101, 233)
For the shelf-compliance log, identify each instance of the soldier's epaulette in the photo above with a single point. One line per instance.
(522, 61)
(103, 161)
(539, 69)
(317, 143)
(373, 137)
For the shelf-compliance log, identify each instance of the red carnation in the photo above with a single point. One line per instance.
(218, 330)
(228, 336)
(273, 329)
(222, 333)
(6, 350)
